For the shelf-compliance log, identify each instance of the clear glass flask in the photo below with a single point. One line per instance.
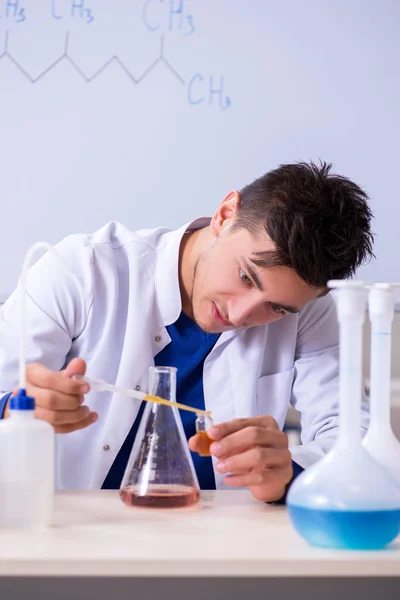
(347, 499)
(160, 471)
(380, 440)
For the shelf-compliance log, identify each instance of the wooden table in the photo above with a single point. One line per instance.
(229, 534)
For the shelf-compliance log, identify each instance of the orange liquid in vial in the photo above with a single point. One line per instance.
(161, 496)
(203, 443)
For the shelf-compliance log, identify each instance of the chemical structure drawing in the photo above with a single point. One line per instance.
(200, 89)
(65, 57)
(13, 11)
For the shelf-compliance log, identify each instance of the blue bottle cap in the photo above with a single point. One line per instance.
(22, 402)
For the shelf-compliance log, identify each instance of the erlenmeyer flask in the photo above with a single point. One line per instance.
(347, 499)
(160, 471)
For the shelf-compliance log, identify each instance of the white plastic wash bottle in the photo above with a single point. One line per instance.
(26, 466)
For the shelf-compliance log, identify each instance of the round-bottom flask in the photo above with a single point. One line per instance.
(380, 440)
(347, 499)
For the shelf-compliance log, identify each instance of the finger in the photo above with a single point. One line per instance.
(92, 418)
(255, 460)
(193, 443)
(41, 376)
(247, 438)
(57, 401)
(221, 430)
(269, 477)
(62, 417)
(52, 400)
(77, 366)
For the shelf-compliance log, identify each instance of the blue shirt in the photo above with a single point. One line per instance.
(3, 404)
(187, 351)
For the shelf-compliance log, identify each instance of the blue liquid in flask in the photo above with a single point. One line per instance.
(347, 499)
(346, 529)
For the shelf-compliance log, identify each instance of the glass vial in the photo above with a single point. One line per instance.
(203, 422)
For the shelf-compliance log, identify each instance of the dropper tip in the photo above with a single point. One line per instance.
(204, 413)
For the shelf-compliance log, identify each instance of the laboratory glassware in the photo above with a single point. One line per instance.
(160, 471)
(347, 499)
(380, 441)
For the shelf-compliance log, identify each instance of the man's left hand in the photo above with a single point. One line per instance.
(254, 453)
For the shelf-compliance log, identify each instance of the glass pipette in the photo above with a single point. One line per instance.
(102, 386)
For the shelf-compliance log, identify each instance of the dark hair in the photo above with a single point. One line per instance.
(320, 223)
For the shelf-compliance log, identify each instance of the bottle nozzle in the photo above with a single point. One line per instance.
(21, 401)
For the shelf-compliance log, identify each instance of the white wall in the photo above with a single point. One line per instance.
(116, 118)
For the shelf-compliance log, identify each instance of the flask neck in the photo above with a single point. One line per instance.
(162, 382)
(380, 395)
(350, 380)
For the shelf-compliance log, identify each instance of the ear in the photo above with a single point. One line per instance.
(226, 213)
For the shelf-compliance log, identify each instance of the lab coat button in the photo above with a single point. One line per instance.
(106, 447)
(158, 338)
(137, 387)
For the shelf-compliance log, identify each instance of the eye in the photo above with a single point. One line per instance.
(277, 309)
(245, 278)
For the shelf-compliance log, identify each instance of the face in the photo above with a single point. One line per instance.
(229, 291)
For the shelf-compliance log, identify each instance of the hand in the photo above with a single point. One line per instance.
(58, 398)
(254, 453)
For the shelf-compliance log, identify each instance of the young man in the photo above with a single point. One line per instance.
(237, 302)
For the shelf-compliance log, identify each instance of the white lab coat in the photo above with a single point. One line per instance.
(116, 320)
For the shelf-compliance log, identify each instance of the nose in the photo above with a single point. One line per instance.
(244, 312)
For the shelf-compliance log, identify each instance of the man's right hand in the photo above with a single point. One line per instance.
(58, 398)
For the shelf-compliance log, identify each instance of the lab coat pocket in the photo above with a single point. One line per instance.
(273, 394)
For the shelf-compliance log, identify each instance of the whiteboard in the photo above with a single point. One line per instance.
(150, 111)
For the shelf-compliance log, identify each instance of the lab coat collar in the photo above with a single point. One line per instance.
(167, 270)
